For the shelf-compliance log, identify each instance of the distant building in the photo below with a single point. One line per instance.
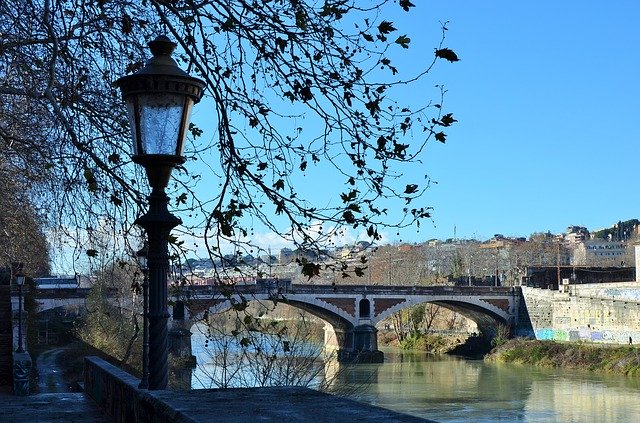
(500, 241)
(351, 252)
(286, 256)
(405, 248)
(575, 235)
(547, 276)
(347, 253)
(434, 242)
(599, 253)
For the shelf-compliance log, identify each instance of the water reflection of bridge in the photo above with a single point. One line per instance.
(353, 311)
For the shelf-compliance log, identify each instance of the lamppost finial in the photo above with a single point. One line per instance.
(162, 46)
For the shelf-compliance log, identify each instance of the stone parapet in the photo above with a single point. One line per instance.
(597, 314)
(117, 395)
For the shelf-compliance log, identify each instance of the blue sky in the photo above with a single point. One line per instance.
(546, 95)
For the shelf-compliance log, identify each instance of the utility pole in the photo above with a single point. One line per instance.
(497, 264)
(558, 262)
(389, 266)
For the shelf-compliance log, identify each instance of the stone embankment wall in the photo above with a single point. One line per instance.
(602, 313)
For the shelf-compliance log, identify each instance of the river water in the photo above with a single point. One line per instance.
(448, 389)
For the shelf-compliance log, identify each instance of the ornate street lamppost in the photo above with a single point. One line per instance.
(159, 99)
(20, 282)
(141, 256)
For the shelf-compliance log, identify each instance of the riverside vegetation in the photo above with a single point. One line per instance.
(573, 355)
(616, 359)
(432, 343)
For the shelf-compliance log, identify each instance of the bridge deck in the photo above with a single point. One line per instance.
(359, 289)
(63, 293)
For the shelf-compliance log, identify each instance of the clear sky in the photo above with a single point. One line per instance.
(546, 95)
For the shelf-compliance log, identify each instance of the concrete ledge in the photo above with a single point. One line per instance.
(278, 405)
(117, 395)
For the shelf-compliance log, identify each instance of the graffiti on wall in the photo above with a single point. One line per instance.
(552, 334)
(585, 334)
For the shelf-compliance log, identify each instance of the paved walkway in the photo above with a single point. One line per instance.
(57, 407)
(231, 406)
(277, 404)
(50, 377)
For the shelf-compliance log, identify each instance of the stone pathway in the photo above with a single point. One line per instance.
(54, 403)
(50, 374)
(58, 407)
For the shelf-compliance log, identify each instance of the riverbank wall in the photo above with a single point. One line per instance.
(117, 395)
(599, 313)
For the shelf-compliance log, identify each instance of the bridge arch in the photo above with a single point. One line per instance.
(73, 298)
(336, 317)
(485, 314)
(47, 304)
(341, 334)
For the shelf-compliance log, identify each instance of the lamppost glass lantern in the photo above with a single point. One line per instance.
(159, 100)
(141, 257)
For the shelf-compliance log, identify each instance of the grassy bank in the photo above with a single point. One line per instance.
(434, 344)
(599, 358)
(431, 343)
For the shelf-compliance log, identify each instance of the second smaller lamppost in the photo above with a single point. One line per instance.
(141, 257)
(159, 99)
(20, 282)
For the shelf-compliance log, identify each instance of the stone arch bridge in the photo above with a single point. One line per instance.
(67, 297)
(353, 311)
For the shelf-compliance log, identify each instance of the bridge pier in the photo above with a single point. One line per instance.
(180, 333)
(180, 351)
(180, 343)
(355, 345)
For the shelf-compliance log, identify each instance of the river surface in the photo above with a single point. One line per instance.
(451, 390)
(447, 389)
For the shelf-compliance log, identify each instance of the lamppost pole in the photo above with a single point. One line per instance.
(142, 261)
(159, 99)
(20, 283)
(158, 223)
